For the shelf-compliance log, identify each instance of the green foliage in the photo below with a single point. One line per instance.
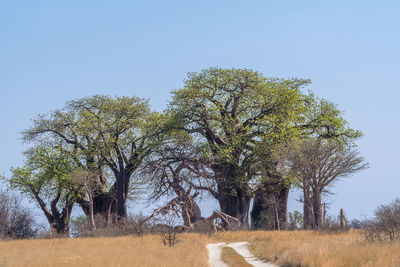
(46, 174)
(265, 222)
(242, 117)
(99, 131)
(296, 220)
(324, 120)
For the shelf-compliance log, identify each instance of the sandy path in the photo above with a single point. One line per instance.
(242, 249)
(214, 255)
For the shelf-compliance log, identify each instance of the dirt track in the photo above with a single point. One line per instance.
(214, 255)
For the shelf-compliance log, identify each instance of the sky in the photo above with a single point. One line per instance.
(55, 51)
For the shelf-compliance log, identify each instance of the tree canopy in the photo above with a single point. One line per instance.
(240, 116)
(220, 134)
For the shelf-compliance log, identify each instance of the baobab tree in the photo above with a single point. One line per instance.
(102, 132)
(239, 116)
(318, 163)
(233, 112)
(176, 168)
(321, 119)
(46, 179)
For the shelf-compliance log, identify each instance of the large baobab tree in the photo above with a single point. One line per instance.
(102, 132)
(239, 116)
(234, 112)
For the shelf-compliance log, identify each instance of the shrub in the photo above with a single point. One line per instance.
(295, 220)
(335, 224)
(133, 225)
(16, 222)
(385, 226)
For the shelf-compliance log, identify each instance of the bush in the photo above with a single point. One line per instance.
(295, 220)
(16, 222)
(133, 225)
(335, 224)
(385, 226)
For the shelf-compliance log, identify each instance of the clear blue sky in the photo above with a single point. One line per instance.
(55, 51)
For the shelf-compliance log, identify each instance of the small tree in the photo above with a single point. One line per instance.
(45, 178)
(295, 220)
(318, 163)
(88, 180)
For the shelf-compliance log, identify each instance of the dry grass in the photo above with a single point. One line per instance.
(306, 248)
(232, 258)
(118, 251)
(302, 248)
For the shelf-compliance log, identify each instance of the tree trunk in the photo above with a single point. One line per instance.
(236, 206)
(191, 212)
(307, 224)
(233, 199)
(308, 214)
(121, 197)
(195, 215)
(271, 205)
(104, 206)
(317, 208)
(59, 222)
(92, 224)
(283, 197)
(59, 228)
(342, 219)
(255, 215)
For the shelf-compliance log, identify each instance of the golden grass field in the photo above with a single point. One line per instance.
(148, 250)
(298, 248)
(311, 249)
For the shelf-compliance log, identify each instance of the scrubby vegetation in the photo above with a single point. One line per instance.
(16, 221)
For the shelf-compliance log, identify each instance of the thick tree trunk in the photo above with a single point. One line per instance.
(59, 222)
(59, 228)
(92, 223)
(104, 206)
(255, 214)
(236, 206)
(283, 197)
(270, 206)
(233, 200)
(191, 212)
(317, 208)
(307, 224)
(195, 215)
(121, 197)
(308, 214)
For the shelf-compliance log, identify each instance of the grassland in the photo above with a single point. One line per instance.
(311, 249)
(298, 248)
(119, 251)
